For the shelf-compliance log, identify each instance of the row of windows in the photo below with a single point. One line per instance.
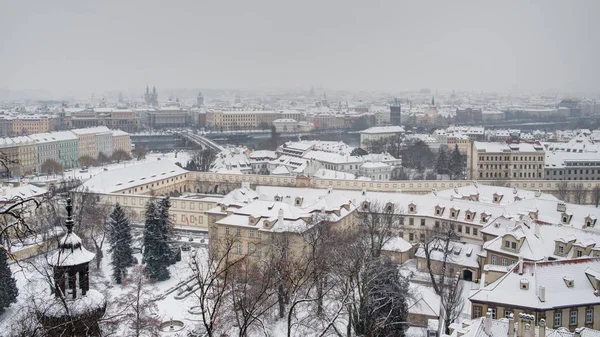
(238, 232)
(503, 262)
(499, 174)
(253, 250)
(581, 171)
(589, 315)
(521, 166)
(578, 252)
(507, 158)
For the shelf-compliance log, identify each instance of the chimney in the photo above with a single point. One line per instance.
(538, 193)
(520, 264)
(542, 331)
(487, 323)
(525, 321)
(527, 330)
(511, 325)
(542, 294)
(280, 215)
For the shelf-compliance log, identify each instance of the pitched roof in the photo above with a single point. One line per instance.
(507, 289)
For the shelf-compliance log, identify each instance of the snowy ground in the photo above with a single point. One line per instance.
(30, 281)
(168, 293)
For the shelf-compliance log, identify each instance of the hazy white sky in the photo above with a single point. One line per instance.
(79, 47)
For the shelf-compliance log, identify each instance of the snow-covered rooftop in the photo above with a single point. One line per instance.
(124, 178)
(507, 289)
(383, 130)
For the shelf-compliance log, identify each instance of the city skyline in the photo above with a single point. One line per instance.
(78, 49)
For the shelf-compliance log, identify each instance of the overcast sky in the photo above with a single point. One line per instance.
(80, 47)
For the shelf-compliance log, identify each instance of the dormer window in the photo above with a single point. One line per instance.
(389, 207)
(277, 197)
(590, 221)
(569, 281)
(497, 198)
(439, 209)
(412, 208)
(566, 217)
(533, 214)
(484, 217)
(470, 214)
(365, 205)
(454, 212)
(298, 201)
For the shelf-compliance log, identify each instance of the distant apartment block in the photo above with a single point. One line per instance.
(468, 115)
(122, 119)
(247, 120)
(572, 166)
(169, 117)
(14, 125)
(507, 161)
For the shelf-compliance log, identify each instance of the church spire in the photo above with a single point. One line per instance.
(69, 221)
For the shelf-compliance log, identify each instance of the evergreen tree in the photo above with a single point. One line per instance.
(441, 166)
(8, 285)
(457, 164)
(156, 254)
(119, 236)
(166, 224)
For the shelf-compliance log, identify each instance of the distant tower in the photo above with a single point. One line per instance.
(325, 102)
(154, 97)
(200, 99)
(395, 113)
(120, 97)
(432, 101)
(73, 309)
(312, 91)
(147, 95)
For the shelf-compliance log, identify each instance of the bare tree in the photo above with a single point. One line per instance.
(579, 193)
(213, 273)
(51, 166)
(91, 216)
(596, 195)
(87, 161)
(377, 294)
(140, 152)
(563, 190)
(252, 294)
(120, 155)
(140, 305)
(438, 250)
(379, 223)
(201, 160)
